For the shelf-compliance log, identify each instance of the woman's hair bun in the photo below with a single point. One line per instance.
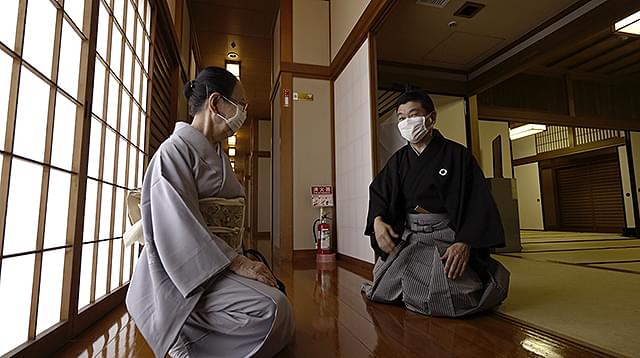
(188, 88)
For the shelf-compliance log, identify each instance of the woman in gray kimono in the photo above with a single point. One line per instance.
(191, 294)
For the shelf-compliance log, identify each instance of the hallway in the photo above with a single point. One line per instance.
(541, 96)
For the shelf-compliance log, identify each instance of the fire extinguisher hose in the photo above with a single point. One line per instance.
(315, 234)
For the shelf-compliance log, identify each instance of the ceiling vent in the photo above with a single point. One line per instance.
(469, 9)
(433, 3)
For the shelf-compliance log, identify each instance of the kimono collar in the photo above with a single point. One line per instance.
(436, 142)
(202, 146)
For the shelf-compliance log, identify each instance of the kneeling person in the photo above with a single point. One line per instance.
(191, 294)
(432, 221)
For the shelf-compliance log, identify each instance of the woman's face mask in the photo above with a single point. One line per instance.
(237, 119)
(414, 129)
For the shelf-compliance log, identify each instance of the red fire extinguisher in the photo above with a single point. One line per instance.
(322, 235)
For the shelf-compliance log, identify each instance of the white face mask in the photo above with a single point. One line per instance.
(413, 129)
(235, 121)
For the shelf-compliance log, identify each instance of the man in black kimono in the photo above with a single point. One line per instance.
(432, 222)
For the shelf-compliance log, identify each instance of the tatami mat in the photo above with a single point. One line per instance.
(627, 266)
(595, 306)
(529, 236)
(585, 256)
(580, 245)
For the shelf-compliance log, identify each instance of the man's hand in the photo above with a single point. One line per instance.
(457, 257)
(384, 234)
(254, 270)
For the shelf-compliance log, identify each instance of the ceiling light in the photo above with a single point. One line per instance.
(232, 55)
(526, 130)
(233, 67)
(233, 165)
(232, 141)
(629, 25)
(232, 152)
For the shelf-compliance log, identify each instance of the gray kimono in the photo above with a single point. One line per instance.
(181, 294)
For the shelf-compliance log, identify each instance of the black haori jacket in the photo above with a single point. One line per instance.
(450, 170)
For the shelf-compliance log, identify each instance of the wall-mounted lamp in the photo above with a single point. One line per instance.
(526, 130)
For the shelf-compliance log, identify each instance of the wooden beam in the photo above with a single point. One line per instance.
(582, 27)
(286, 171)
(613, 79)
(508, 114)
(306, 71)
(71, 286)
(286, 31)
(395, 75)
(473, 130)
(334, 228)
(604, 144)
(253, 207)
(373, 95)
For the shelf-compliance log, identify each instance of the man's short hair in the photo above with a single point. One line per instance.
(417, 95)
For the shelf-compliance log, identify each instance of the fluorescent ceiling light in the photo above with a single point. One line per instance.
(526, 130)
(629, 25)
(232, 140)
(233, 68)
(232, 152)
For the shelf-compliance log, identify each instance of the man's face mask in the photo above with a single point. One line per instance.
(235, 121)
(414, 129)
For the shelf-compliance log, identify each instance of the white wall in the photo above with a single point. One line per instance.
(311, 155)
(524, 147)
(344, 16)
(450, 119)
(354, 166)
(311, 32)
(626, 187)
(264, 195)
(488, 131)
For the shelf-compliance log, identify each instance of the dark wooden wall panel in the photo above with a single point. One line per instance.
(589, 193)
(164, 89)
(542, 93)
(607, 100)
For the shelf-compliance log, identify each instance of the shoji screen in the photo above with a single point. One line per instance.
(354, 163)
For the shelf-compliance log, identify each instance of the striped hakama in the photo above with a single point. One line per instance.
(414, 274)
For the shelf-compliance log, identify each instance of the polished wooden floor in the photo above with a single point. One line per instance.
(334, 320)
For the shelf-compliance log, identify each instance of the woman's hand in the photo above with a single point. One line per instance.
(457, 257)
(384, 234)
(254, 270)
